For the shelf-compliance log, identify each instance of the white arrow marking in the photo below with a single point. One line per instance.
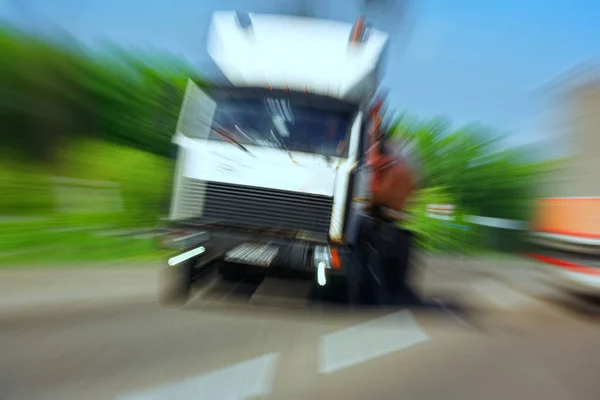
(248, 379)
(367, 341)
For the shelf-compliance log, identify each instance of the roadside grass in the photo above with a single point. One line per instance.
(42, 223)
(78, 247)
(71, 240)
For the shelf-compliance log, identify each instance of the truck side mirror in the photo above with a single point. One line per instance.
(243, 20)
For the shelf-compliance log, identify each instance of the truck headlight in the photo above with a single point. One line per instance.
(186, 256)
(322, 255)
(322, 260)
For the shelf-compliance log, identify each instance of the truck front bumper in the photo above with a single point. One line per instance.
(213, 245)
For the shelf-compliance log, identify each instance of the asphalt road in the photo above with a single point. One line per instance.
(517, 339)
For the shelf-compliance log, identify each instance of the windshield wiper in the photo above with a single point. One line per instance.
(232, 140)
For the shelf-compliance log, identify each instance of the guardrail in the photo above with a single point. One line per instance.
(446, 212)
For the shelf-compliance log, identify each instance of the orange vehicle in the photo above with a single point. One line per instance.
(566, 233)
(566, 229)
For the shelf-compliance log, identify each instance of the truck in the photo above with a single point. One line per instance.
(274, 168)
(565, 235)
(566, 239)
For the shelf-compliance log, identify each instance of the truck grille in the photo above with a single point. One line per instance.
(248, 206)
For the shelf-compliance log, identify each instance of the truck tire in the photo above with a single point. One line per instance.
(335, 291)
(176, 284)
(382, 266)
(232, 272)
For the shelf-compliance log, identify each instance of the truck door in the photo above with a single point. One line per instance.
(197, 113)
(195, 120)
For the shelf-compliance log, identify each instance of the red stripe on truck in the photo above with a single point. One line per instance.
(578, 268)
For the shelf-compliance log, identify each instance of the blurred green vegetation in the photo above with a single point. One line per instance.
(34, 226)
(52, 93)
(104, 120)
(470, 168)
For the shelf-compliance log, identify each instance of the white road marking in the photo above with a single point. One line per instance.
(246, 380)
(502, 295)
(367, 341)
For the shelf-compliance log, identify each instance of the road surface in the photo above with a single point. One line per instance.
(520, 340)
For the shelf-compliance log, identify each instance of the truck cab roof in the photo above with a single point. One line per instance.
(297, 53)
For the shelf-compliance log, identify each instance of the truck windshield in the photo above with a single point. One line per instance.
(281, 125)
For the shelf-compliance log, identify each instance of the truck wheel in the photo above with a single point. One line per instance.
(232, 272)
(176, 284)
(335, 291)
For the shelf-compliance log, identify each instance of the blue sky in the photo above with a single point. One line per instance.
(465, 59)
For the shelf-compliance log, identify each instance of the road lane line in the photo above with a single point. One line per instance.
(245, 380)
(364, 342)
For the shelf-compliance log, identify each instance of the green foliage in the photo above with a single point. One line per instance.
(138, 180)
(52, 94)
(431, 233)
(144, 180)
(480, 177)
(467, 167)
(26, 190)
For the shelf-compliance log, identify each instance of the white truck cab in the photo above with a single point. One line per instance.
(270, 168)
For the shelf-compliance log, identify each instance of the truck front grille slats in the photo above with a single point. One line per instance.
(247, 206)
(276, 196)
